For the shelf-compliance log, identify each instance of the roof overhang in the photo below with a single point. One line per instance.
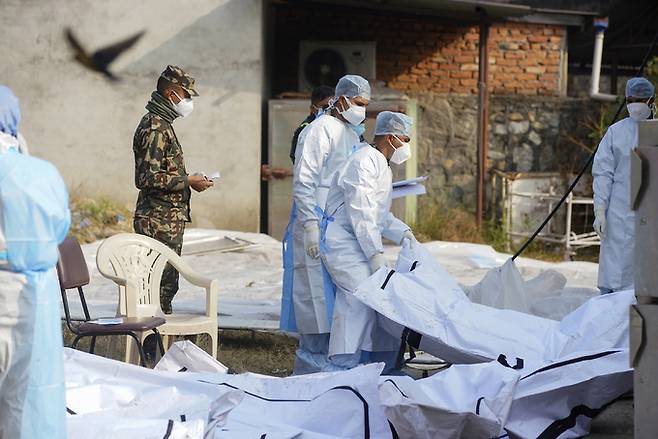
(472, 10)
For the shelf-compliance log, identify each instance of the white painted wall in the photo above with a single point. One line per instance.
(85, 125)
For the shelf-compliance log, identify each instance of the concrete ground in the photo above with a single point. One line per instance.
(616, 422)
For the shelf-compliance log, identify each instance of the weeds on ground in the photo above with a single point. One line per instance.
(241, 351)
(94, 219)
(439, 221)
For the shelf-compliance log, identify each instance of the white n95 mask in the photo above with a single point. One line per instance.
(184, 107)
(639, 110)
(401, 154)
(354, 114)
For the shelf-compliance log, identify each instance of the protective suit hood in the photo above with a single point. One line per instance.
(10, 113)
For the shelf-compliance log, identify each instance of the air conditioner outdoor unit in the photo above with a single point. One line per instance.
(324, 62)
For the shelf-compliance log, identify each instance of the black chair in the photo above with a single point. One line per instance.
(73, 274)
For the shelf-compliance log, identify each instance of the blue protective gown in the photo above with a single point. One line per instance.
(35, 220)
(612, 193)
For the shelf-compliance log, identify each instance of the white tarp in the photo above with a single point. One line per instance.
(249, 282)
(250, 279)
(545, 295)
(422, 296)
(185, 356)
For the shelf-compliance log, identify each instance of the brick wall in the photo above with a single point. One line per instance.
(418, 54)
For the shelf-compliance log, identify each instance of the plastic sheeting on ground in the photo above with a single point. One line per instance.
(185, 356)
(250, 279)
(249, 282)
(545, 295)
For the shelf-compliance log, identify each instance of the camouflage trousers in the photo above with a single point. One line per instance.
(170, 233)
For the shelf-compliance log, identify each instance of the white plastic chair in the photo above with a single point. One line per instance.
(135, 263)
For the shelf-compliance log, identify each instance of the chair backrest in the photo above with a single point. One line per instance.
(72, 273)
(71, 266)
(140, 259)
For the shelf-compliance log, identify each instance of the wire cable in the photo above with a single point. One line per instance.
(588, 163)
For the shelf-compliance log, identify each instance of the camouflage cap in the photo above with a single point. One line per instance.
(176, 75)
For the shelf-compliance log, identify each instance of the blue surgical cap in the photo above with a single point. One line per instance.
(640, 88)
(10, 113)
(389, 122)
(352, 86)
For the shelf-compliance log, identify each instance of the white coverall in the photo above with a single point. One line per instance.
(358, 208)
(611, 172)
(323, 148)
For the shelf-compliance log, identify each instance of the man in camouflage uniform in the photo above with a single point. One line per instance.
(163, 204)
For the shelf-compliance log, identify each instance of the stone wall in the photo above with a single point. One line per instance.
(525, 135)
(418, 54)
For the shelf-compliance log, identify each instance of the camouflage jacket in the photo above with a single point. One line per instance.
(160, 172)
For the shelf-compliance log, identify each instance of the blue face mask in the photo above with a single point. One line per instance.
(359, 129)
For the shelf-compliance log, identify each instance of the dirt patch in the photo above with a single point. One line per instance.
(242, 351)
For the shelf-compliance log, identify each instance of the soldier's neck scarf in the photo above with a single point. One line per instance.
(162, 107)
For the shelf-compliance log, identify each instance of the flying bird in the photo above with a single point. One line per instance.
(100, 60)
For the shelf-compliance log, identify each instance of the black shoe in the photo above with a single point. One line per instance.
(166, 307)
(150, 347)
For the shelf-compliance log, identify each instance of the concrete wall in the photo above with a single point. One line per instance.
(85, 125)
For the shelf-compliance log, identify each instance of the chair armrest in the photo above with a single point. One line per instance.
(211, 285)
(129, 299)
(193, 277)
(117, 280)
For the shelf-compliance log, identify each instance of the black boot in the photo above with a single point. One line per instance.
(150, 347)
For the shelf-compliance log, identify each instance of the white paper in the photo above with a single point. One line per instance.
(408, 190)
(214, 176)
(108, 321)
(410, 181)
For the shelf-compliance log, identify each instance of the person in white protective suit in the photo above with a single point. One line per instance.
(357, 217)
(614, 219)
(323, 147)
(34, 220)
